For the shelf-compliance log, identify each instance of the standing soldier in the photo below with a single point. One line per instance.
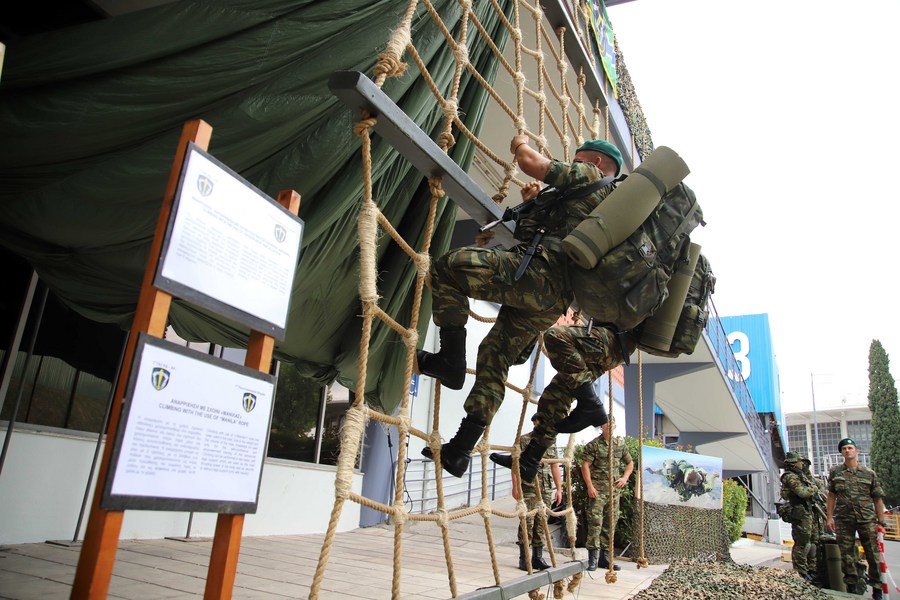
(548, 477)
(820, 501)
(856, 506)
(801, 491)
(595, 470)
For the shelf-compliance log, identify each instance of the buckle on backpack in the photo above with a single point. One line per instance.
(646, 250)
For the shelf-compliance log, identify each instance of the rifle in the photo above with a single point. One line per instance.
(513, 213)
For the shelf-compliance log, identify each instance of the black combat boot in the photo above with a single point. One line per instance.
(449, 364)
(530, 460)
(593, 556)
(603, 562)
(589, 411)
(877, 594)
(537, 558)
(504, 460)
(455, 453)
(523, 563)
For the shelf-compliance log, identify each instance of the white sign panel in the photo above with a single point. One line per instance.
(230, 243)
(681, 478)
(194, 428)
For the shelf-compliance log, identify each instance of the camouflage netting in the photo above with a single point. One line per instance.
(682, 532)
(713, 581)
(631, 106)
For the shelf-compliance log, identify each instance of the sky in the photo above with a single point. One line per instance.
(787, 114)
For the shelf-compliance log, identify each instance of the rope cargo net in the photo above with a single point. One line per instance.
(573, 122)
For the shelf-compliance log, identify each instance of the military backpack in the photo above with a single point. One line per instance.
(694, 314)
(629, 283)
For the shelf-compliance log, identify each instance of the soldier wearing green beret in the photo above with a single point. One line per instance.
(532, 300)
(800, 491)
(856, 506)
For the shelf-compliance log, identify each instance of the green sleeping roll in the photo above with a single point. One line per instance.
(623, 211)
(660, 327)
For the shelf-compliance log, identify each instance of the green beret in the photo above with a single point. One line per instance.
(845, 442)
(606, 148)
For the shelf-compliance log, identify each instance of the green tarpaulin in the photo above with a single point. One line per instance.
(89, 121)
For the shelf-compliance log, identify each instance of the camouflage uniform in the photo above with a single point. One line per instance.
(854, 512)
(596, 452)
(535, 526)
(801, 492)
(529, 305)
(579, 357)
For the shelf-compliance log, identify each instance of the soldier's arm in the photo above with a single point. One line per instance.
(586, 474)
(556, 472)
(879, 509)
(530, 161)
(829, 512)
(799, 487)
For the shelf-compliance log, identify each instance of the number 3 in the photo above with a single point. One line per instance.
(740, 354)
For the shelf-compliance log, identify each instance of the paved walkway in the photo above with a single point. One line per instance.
(279, 567)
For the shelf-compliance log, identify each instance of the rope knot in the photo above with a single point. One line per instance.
(642, 563)
(446, 140)
(461, 53)
(519, 78)
(363, 125)
(399, 514)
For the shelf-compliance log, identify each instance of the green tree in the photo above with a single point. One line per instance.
(885, 422)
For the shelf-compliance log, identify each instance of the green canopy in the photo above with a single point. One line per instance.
(91, 116)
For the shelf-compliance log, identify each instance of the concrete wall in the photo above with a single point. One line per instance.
(44, 478)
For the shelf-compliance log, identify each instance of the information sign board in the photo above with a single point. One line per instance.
(229, 247)
(192, 435)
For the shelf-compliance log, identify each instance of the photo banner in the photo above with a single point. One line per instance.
(604, 40)
(681, 478)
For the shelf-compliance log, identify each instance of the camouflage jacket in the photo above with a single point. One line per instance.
(798, 489)
(561, 218)
(597, 453)
(854, 491)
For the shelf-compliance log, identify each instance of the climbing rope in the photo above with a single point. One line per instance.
(571, 120)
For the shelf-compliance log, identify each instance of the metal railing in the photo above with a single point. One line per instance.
(420, 488)
(732, 371)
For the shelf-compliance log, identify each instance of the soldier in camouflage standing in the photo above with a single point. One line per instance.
(531, 302)
(856, 506)
(800, 491)
(820, 500)
(549, 478)
(596, 473)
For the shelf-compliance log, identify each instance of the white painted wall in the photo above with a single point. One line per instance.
(44, 477)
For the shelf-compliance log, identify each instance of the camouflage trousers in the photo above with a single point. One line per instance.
(579, 357)
(529, 306)
(534, 525)
(805, 534)
(598, 523)
(846, 530)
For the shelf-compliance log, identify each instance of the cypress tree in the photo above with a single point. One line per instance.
(885, 423)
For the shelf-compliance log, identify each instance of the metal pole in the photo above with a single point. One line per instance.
(34, 333)
(9, 359)
(812, 385)
(87, 487)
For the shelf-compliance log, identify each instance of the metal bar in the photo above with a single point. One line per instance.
(523, 585)
(359, 92)
(39, 315)
(9, 359)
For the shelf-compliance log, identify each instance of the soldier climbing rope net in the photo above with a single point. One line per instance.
(571, 119)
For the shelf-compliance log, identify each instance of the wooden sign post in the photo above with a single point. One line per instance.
(95, 563)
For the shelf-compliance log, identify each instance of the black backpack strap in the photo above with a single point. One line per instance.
(586, 190)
